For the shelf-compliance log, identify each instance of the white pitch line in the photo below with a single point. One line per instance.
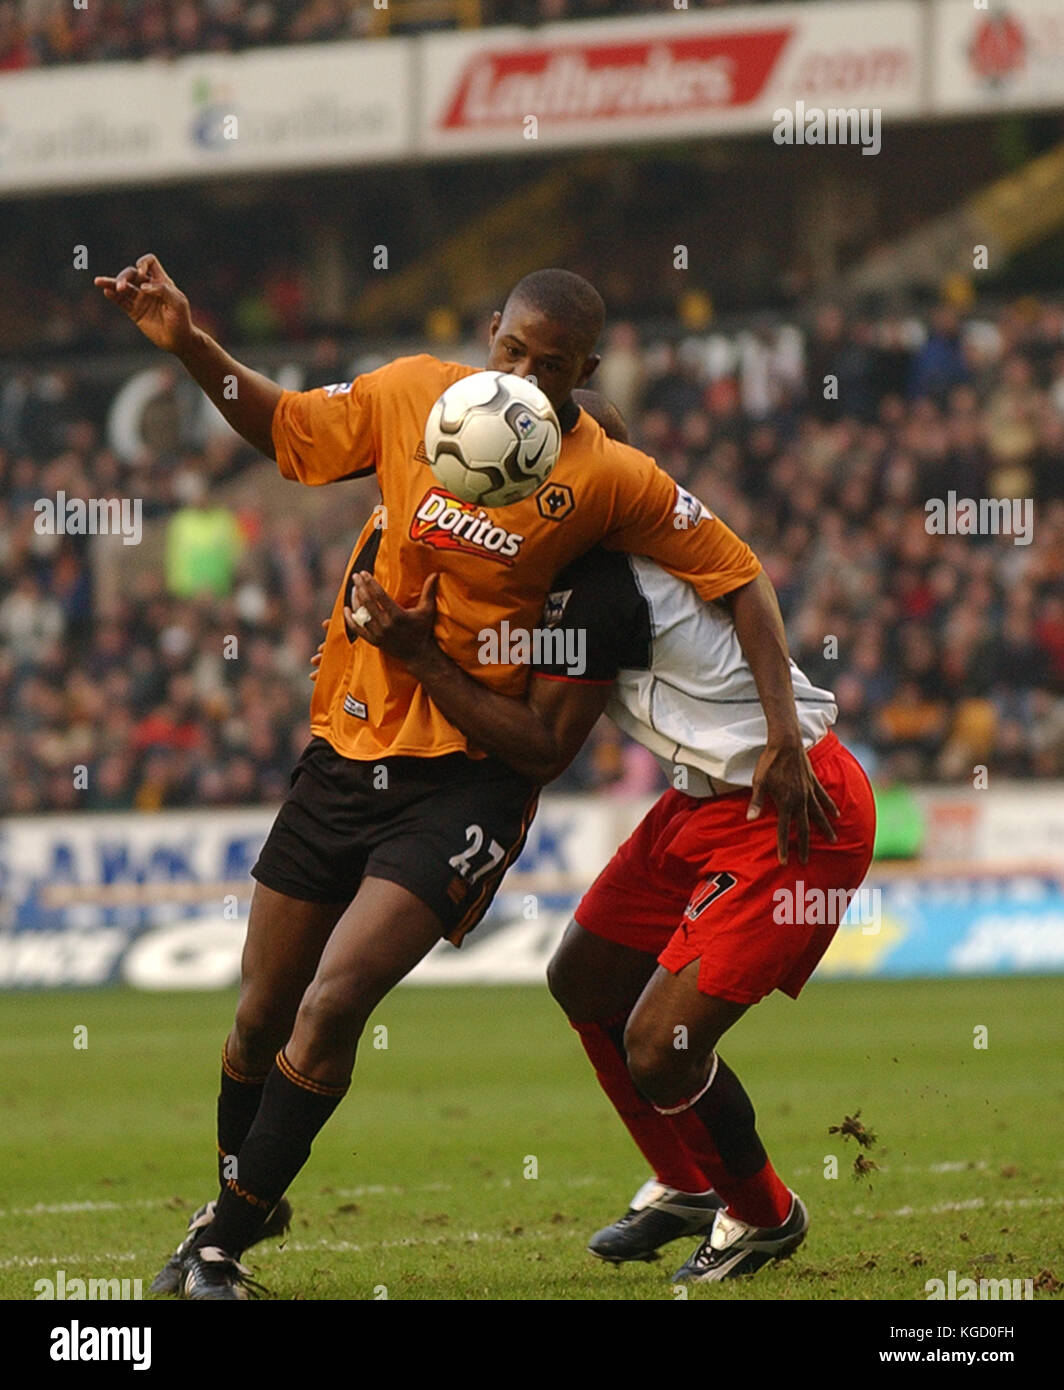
(539, 1233)
(343, 1247)
(376, 1190)
(947, 1168)
(306, 1247)
(68, 1208)
(952, 1167)
(382, 1190)
(972, 1204)
(367, 1190)
(61, 1261)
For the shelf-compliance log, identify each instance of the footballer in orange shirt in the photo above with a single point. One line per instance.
(682, 932)
(397, 831)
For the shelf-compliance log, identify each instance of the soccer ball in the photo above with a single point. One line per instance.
(492, 439)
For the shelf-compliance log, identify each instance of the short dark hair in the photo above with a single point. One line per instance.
(566, 298)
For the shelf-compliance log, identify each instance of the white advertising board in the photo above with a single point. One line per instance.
(209, 114)
(160, 901)
(1008, 56)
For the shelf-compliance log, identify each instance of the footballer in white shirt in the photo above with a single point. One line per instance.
(706, 908)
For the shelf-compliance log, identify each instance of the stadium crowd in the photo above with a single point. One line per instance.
(40, 33)
(121, 684)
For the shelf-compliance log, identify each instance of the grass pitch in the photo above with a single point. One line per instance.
(475, 1155)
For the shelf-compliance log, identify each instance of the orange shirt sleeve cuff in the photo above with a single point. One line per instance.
(717, 585)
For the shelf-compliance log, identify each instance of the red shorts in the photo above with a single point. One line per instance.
(696, 881)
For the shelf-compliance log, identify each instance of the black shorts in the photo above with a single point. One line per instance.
(445, 828)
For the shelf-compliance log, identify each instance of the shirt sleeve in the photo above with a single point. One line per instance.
(655, 517)
(595, 622)
(328, 434)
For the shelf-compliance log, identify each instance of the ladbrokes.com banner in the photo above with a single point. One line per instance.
(674, 74)
(679, 74)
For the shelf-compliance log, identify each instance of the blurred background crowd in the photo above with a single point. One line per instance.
(174, 672)
(818, 439)
(35, 33)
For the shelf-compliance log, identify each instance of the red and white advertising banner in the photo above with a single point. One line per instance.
(1009, 56)
(668, 75)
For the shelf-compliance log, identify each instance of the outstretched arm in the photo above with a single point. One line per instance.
(538, 737)
(783, 770)
(149, 297)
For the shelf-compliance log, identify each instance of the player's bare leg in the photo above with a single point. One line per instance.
(595, 979)
(672, 1035)
(671, 1042)
(597, 983)
(285, 939)
(384, 933)
(284, 943)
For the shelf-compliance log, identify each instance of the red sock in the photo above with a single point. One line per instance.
(718, 1128)
(658, 1139)
(760, 1200)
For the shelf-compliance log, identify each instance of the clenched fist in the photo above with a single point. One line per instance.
(151, 299)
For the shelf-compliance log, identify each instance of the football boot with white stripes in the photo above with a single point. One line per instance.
(168, 1280)
(658, 1214)
(733, 1248)
(209, 1273)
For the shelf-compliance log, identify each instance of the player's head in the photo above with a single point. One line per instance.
(548, 329)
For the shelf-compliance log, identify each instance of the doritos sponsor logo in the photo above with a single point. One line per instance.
(446, 523)
(604, 81)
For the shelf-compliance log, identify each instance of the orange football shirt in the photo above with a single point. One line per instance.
(494, 564)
